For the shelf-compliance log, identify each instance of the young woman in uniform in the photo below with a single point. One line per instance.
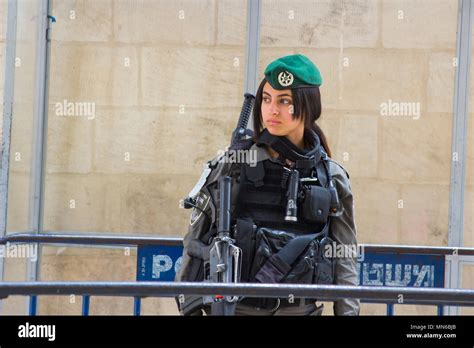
(286, 236)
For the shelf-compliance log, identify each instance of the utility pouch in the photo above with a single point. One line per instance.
(316, 204)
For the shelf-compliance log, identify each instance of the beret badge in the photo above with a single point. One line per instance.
(285, 78)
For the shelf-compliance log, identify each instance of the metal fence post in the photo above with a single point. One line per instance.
(40, 134)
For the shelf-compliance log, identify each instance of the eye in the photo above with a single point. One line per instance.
(266, 99)
(286, 101)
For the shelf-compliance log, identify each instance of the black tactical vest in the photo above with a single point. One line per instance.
(263, 188)
(263, 197)
(262, 203)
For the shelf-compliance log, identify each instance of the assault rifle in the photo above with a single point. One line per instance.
(225, 257)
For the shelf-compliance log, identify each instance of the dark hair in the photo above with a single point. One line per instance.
(306, 104)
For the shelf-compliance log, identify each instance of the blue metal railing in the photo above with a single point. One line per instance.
(85, 305)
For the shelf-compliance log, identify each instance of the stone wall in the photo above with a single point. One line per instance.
(164, 83)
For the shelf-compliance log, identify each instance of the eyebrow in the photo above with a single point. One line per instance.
(280, 95)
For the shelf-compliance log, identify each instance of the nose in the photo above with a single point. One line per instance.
(274, 110)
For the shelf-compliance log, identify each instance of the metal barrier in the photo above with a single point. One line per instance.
(372, 294)
(91, 239)
(389, 295)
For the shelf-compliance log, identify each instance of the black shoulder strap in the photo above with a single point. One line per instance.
(321, 173)
(243, 144)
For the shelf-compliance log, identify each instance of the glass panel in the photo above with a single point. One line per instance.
(468, 238)
(387, 106)
(21, 135)
(23, 115)
(387, 97)
(136, 109)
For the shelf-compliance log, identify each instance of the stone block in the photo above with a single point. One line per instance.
(183, 150)
(144, 21)
(192, 77)
(361, 86)
(78, 75)
(424, 216)
(358, 145)
(416, 149)
(319, 24)
(69, 142)
(150, 204)
(376, 211)
(441, 82)
(231, 22)
(159, 141)
(126, 141)
(82, 203)
(426, 24)
(82, 21)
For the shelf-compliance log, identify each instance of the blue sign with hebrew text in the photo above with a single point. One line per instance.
(410, 270)
(161, 263)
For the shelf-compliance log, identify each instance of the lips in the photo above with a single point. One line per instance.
(273, 122)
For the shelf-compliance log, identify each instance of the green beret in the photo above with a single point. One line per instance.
(292, 72)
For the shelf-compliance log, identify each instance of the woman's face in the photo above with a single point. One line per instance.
(277, 114)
